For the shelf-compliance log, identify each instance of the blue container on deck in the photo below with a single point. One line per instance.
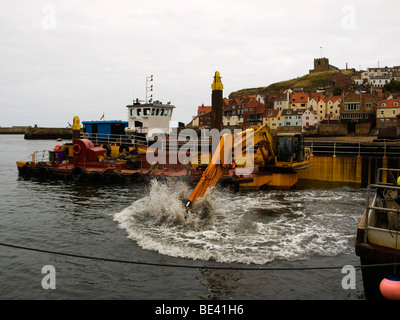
(104, 129)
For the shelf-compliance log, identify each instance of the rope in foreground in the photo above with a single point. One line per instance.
(154, 264)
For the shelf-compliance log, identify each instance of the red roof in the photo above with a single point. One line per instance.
(271, 113)
(389, 103)
(316, 96)
(333, 99)
(253, 104)
(205, 109)
(298, 97)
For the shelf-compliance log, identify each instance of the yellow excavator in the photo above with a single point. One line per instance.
(274, 162)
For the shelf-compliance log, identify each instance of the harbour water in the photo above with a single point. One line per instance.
(290, 236)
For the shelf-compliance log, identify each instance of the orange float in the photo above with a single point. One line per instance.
(390, 288)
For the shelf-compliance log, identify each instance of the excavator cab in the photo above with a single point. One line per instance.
(289, 148)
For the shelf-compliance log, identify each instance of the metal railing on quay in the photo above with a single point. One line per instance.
(355, 149)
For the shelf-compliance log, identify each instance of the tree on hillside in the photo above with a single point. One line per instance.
(337, 91)
(392, 86)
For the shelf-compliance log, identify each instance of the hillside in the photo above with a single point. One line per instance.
(308, 82)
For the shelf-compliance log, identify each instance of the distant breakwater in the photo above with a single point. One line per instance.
(32, 133)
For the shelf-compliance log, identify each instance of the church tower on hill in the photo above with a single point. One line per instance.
(322, 64)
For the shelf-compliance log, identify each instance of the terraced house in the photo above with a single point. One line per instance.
(232, 114)
(290, 117)
(314, 98)
(387, 112)
(332, 107)
(271, 118)
(203, 117)
(281, 102)
(358, 111)
(253, 113)
(309, 119)
(299, 100)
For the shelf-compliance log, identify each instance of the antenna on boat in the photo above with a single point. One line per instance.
(149, 88)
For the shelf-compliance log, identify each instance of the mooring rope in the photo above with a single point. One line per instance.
(154, 264)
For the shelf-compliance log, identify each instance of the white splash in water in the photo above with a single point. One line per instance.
(255, 227)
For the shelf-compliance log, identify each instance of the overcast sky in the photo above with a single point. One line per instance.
(65, 58)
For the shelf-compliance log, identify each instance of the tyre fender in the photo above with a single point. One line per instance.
(138, 177)
(26, 170)
(78, 173)
(107, 147)
(44, 172)
(97, 177)
(116, 177)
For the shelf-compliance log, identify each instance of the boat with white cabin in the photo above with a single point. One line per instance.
(149, 119)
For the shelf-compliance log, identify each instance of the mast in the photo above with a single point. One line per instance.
(149, 88)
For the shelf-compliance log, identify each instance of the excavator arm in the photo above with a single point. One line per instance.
(213, 172)
(246, 139)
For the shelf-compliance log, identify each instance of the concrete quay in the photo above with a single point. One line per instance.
(31, 133)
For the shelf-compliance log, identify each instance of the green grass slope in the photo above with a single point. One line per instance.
(308, 82)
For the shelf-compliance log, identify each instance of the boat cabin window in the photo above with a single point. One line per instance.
(169, 112)
(132, 112)
(146, 111)
(161, 112)
(157, 111)
(153, 111)
(139, 112)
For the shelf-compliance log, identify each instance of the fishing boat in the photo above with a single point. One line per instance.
(378, 233)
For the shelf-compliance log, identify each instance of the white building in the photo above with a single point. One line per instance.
(379, 81)
(290, 117)
(378, 77)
